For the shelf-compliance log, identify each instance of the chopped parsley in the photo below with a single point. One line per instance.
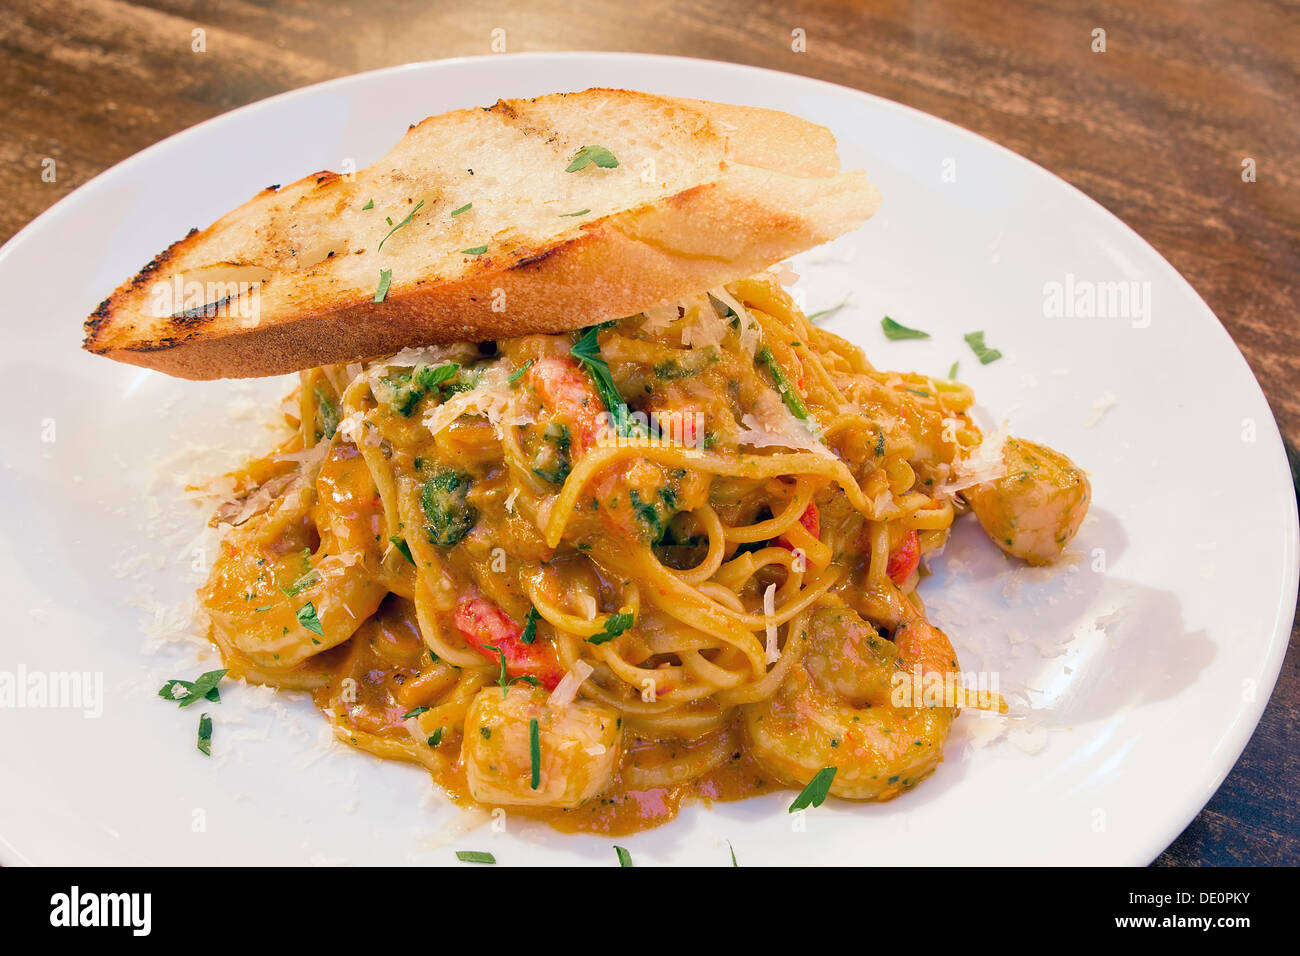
(592, 154)
(893, 331)
(465, 208)
(615, 625)
(518, 373)
(405, 222)
(370, 204)
(475, 856)
(782, 382)
(205, 735)
(587, 351)
(308, 619)
(401, 545)
(535, 753)
(385, 280)
(530, 627)
(814, 795)
(474, 251)
(416, 712)
(826, 313)
(985, 354)
(436, 738)
(205, 687)
(580, 212)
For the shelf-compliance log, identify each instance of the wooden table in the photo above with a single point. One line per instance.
(1156, 128)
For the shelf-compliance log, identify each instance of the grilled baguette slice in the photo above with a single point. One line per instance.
(484, 232)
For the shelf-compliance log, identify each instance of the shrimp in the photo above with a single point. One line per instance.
(578, 749)
(847, 704)
(281, 591)
(1037, 506)
(492, 633)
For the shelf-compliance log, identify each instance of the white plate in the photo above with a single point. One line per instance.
(1147, 678)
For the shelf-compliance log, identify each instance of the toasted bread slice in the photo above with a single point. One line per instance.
(474, 228)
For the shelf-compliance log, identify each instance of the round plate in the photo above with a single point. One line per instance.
(1139, 665)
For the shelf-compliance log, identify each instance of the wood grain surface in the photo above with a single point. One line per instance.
(1156, 128)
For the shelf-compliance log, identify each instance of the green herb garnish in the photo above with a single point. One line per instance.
(401, 545)
(475, 856)
(587, 351)
(615, 625)
(416, 712)
(783, 386)
(535, 753)
(465, 208)
(385, 280)
(308, 619)
(405, 222)
(518, 373)
(624, 858)
(893, 331)
(370, 204)
(952, 372)
(580, 212)
(828, 312)
(814, 795)
(985, 354)
(205, 735)
(204, 687)
(436, 738)
(529, 633)
(474, 251)
(592, 154)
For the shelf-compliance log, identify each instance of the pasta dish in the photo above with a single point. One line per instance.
(588, 575)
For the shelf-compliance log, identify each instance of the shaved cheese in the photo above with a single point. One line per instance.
(769, 612)
(704, 327)
(567, 689)
(351, 427)
(491, 398)
(659, 317)
(510, 500)
(982, 465)
(751, 333)
(772, 424)
(1104, 403)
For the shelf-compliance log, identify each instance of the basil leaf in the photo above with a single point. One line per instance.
(624, 858)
